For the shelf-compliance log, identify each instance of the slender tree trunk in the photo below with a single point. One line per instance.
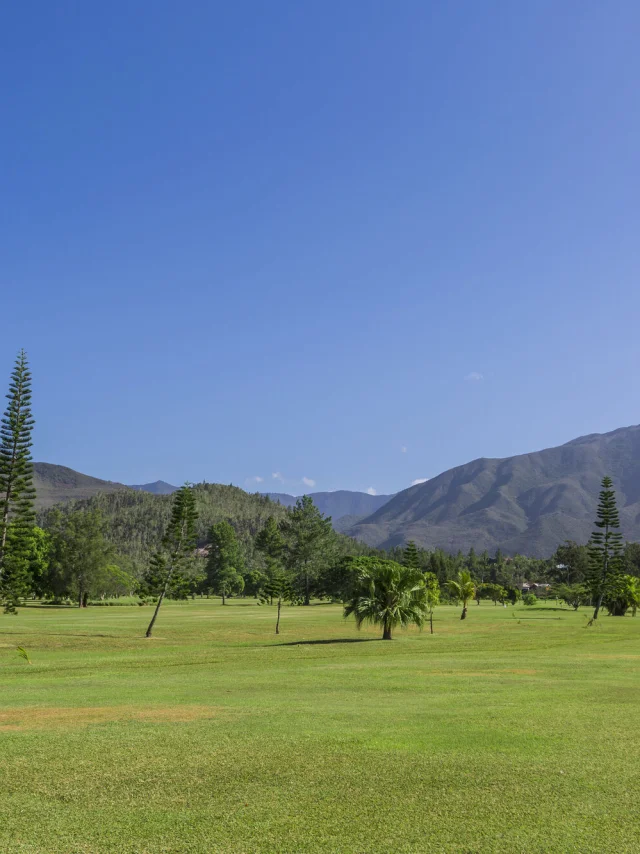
(223, 598)
(431, 621)
(463, 616)
(386, 634)
(80, 599)
(160, 598)
(307, 595)
(85, 599)
(278, 620)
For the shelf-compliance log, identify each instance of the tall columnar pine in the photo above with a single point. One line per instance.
(387, 594)
(310, 545)
(17, 495)
(278, 588)
(178, 545)
(411, 557)
(225, 563)
(605, 547)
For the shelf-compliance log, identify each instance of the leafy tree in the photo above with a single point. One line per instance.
(225, 563)
(178, 545)
(38, 557)
(570, 564)
(632, 559)
(411, 557)
(387, 594)
(310, 545)
(463, 589)
(278, 587)
(78, 555)
(622, 593)
(573, 594)
(495, 592)
(17, 494)
(473, 564)
(484, 565)
(605, 548)
(530, 599)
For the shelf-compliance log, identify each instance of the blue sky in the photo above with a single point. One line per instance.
(357, 243)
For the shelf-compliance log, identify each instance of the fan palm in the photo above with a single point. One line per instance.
(463, 589)
(387, 594)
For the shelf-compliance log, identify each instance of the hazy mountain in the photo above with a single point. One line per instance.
(59, 483)
(528, 503)
(158, 487)
(337, 504)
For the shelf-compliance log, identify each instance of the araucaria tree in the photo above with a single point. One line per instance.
(411, 557)
(17, 495)
(309, 545)
(463, 589)
(178, 545)
(387, 594)
(605, 547)
(278, 588)
(225, 563)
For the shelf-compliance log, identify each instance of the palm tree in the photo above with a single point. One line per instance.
(463, 589)
(387, 594)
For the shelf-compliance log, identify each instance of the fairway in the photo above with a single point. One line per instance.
(514, 731)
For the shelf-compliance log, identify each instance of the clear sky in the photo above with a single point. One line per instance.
(353, 242)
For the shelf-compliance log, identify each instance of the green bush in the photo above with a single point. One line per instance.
(530, 599)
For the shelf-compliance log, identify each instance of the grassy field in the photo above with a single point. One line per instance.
(515, 731)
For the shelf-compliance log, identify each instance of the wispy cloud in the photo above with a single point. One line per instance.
(276, 475)
(419, 480)
(403, 449)
(474, 377)
(255, 479)
(372, 491)
(308, 481)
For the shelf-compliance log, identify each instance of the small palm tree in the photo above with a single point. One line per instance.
(463, 589)
(387, 594)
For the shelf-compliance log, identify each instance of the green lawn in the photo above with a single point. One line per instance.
(515, 731)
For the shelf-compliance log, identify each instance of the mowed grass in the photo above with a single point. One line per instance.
(515, 731)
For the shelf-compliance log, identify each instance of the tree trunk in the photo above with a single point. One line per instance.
(431, 621)
(307, 595)
(223, 597)
(386, 634)
(463, 616)
(160, 598)
(80, 599)
(85, 599)
(278, 620)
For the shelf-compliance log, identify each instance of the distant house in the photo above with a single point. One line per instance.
(538, 588)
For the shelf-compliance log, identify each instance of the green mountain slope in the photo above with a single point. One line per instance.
(528, 503)
(55, 484)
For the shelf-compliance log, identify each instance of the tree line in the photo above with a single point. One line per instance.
(231, 543)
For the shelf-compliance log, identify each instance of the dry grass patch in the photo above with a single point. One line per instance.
(50, 717)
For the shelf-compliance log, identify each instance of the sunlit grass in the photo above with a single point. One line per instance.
(513, 731)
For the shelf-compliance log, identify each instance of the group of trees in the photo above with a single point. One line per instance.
(212, 539)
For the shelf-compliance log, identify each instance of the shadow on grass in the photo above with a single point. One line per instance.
(324, 642)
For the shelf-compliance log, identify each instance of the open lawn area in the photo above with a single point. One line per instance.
(514, 731)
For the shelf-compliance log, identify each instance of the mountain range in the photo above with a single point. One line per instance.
(528, 503)
(337, 504)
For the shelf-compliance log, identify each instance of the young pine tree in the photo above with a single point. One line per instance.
(17, 495)
(309, 545)
(605, 547)
(178, 545)
(278, 587)
(225, 563)
(411, 557)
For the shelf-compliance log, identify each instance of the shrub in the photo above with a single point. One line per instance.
(530, 599)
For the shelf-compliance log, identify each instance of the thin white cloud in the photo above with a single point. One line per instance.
(256, 479)
(403, 449)
(372, 491)
(419, 480)
(276, 475)
(308, 481)
(474, 377)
